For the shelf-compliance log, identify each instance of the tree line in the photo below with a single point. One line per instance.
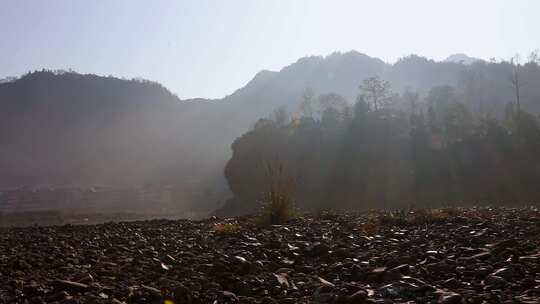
(390, 150)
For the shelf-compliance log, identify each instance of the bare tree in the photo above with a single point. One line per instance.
(516, 82)
(412, 98)
(534, 57)
(281, 116)
(307, 103)
(376, 92)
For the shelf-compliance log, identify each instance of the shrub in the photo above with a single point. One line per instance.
(278, 205)
(452, 212)
(427, 216)
(370, 227)
(226, 228)
(396, 218)
(326, 214)
(376, 220)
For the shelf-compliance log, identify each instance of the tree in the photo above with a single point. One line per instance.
(534, 57)
(307, 103)
(516, 83)
(281, 116)
(420, 157)
(332, 101)
(330, 118)
(361, 108)
(457, 121)
(412, 98)
(376, 92)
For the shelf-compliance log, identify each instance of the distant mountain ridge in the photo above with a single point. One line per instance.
(86, 129)
(461, 58)
(7, 79)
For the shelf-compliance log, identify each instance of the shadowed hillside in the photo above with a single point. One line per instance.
(72, 129)
(80, 130)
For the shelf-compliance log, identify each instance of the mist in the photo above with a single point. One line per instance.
(61, 129)
(266, 152)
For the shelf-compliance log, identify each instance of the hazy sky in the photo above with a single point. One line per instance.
(210, 48)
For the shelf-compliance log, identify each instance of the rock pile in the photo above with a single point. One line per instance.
(481, 256)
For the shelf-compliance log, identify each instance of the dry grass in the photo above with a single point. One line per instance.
(326, 214)
(226, 228)
(427, 216)
(376, 220)
(278, 204)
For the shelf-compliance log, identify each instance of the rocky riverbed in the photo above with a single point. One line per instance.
(474, 256)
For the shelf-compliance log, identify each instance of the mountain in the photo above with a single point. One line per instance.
(7, 79)
(69, 129)
(461, 58)
(72, 129)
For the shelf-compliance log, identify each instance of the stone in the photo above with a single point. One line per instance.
(449, 298)
(357, 297)
(71, 287)
(495, 281)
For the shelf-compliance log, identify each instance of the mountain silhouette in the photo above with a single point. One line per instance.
(461, 58)
(72, 129)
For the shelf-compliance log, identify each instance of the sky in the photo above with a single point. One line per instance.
(204, 48)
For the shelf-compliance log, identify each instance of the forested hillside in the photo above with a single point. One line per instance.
(61, 129)
(72, 129)
(449, 146)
